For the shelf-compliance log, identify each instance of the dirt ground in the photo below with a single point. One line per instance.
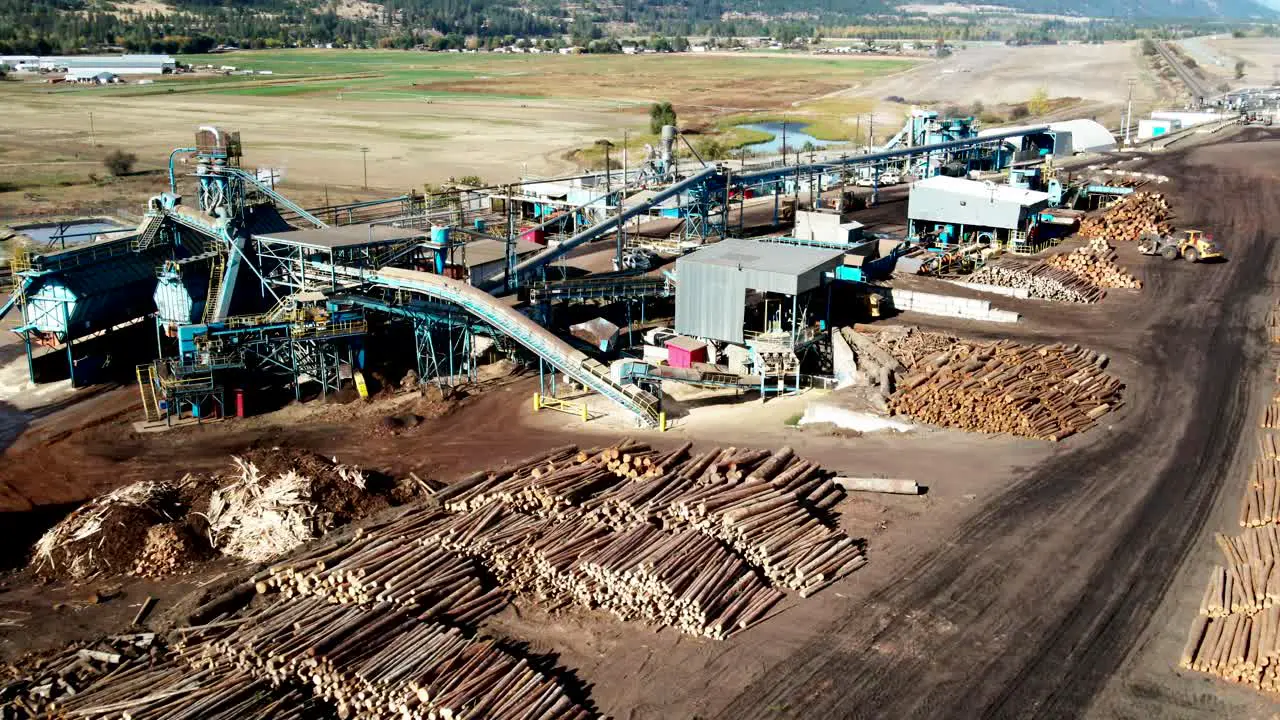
(1261, 55)
(1034, 579)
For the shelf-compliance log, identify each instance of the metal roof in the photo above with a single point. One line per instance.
(989, 191)
(484, 251)
(343, 236)
(773, 258)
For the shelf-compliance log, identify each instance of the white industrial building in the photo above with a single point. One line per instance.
(1084, 135)
(91, 65)
(992, 213)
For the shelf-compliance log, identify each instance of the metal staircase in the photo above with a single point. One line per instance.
(150, 231)
(217, 268)
(276, 197)
(147, 387)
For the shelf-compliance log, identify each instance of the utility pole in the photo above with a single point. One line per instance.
(784, 141)
(1128, 114)
(92, 141)
(364, 156)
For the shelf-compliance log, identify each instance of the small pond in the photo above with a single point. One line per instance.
(796, 138)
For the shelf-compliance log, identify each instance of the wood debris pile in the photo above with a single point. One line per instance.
(105, 534)
(910, 346)
(259, 517)
(381, 661)
(35, 691)
(169, 548)
(1040, 279)
(1096, 263)
(1048, 392)
(1129, 218)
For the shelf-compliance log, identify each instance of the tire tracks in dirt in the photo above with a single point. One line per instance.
(1030, 606)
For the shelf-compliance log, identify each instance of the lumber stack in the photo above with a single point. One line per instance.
(1273, 324)
(1129, 218)
(1261, 505)
(1250, 580)
(1040, 279)
(1049, 392)
(1271, 416)
(1096, 264)
(381, 661)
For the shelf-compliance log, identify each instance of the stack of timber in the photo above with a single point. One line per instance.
(1271, 417)
(382, 567)
(1250, 580)
(685, 580)
(1048, 392)
(1238, 648)
(1130, 218)
(1261, 504)
(1268, 446)
(35, 692)
(381, 661)
(1273, 324)
(1040, 280)
(1096, 263)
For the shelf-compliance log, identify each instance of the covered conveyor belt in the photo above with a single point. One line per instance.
(537, 339)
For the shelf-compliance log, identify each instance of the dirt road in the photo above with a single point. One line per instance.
(1029, 607)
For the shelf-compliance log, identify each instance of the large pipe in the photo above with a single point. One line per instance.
(601, 228)
(790, 170)
(880, 485)
(173, 183)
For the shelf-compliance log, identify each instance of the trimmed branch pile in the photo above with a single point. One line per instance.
(1129, 218)
(1048, 392)
(71, 671)
(105, 534)
(259, 518)
(1040, 280)
(1261, 504)
(381, 661)
(1096, 264)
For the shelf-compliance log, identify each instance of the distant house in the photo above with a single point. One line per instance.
(100, 78)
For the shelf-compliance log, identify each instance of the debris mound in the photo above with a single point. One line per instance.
(106, 534)
(1096, 264)
(1040, 280)
(1048, 392)
(1130, 218)
(261, 516)
(169, 548)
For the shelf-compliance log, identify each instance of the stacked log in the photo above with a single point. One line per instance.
(71, 671)
(1040, 279)
(1261, 504)
(649, 575)
(1271, 417)
(1128, 219)
(1049, 392)
(380, 661)
(1273, 324)
(1268, 446)
(1250, 580)
(1096, 264)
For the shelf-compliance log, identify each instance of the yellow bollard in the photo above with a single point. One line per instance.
(662, 421)
(585, 417)
(537, 402)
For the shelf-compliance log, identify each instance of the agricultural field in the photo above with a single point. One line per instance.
(423, 117)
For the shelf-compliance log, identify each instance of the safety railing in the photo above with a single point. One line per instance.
(321, 329)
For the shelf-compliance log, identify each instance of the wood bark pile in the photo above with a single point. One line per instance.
(1129, 218)
(1040, 279)
(1096, 264)
(1048, 392)
(381, 661)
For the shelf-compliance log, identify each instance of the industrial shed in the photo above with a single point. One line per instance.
(712, 283)
(1081, 135)
(973, 205)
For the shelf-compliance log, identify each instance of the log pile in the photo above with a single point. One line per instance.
(1128, 219)
(1040, 279)
(1273, 324)
(1261, 505)
(381, 661)
(646, 574)
(1048, 392)
(1250, 580)
(910, 346)
(1096, 264)
(1271, 416)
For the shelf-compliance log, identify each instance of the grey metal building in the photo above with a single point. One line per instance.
(973, 205)
(713, 283)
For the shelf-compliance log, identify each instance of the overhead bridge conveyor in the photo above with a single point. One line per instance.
(577, 365)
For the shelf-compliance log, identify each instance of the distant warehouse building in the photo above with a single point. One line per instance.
(91, 65)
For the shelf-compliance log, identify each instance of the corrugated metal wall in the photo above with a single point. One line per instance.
(710, 301)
